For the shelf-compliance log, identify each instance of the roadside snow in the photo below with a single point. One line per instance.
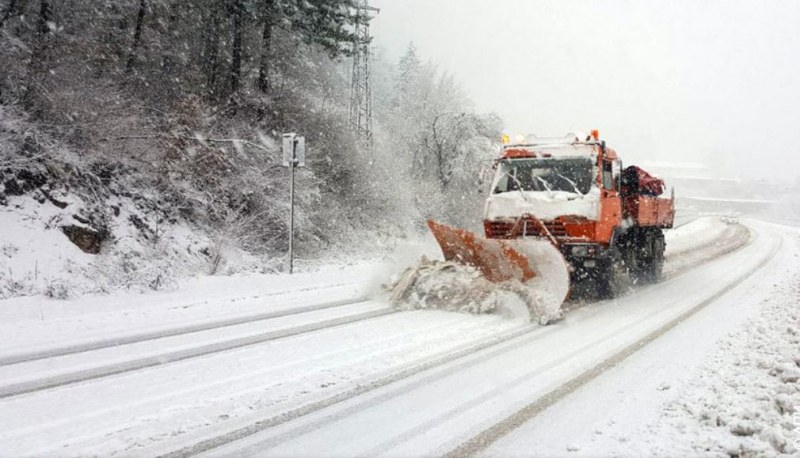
(700, 232)
(746, 400)
(36, 257)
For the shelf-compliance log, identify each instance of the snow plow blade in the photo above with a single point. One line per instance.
(496, 260)
(535, 263)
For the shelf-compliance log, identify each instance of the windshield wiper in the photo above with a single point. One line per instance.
(519, 185)
(574, 186)
(546, 185)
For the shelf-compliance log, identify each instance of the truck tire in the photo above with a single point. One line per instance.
(613, 275)
(635, 254)
(652, 263)
(657, 263)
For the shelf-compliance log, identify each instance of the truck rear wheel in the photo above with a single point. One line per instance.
(650, 259)
(657, 263)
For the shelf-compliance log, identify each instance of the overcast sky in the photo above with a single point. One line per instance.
(711, 81)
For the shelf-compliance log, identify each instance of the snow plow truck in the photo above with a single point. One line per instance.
(565, 211)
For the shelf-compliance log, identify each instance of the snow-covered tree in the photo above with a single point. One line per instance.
(440, 140)
(187, 99)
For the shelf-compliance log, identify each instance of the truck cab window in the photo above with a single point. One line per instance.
(608, 177)
(617, 174)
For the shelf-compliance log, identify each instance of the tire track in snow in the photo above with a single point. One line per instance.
(136, 363)
(159, 334)
(398, 338)
(361, 388)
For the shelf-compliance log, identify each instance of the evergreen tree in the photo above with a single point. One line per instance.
(324, 23)
(408, 69)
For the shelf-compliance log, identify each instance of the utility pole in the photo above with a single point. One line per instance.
(360, 90)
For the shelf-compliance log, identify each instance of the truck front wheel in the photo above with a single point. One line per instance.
(613, 275)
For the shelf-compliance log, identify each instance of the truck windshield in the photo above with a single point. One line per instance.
(572, 174)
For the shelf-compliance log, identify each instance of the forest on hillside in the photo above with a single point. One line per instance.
(173, 111)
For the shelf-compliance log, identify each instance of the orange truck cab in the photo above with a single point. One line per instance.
(607, 221)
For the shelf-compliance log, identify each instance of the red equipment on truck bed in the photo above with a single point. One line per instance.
(640, 200)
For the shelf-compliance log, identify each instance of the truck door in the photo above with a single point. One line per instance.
(610, 201)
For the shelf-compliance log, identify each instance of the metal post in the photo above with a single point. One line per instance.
(291, 208)
(294, 155)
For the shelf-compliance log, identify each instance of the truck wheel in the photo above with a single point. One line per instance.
(613, 275)
(654, 263)
(637, 266)
(657, 264)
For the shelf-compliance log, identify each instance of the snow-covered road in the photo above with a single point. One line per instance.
(408, 382)
(463, 406)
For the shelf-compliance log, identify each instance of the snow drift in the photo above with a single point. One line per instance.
(450, 286)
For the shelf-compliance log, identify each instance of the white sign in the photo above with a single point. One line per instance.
(294, 150)
(288, 149)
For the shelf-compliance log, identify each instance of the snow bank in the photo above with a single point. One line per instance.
(700, 232)
(36, 257)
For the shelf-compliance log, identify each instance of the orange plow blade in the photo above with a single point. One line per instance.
(536, 263)
(496, 260)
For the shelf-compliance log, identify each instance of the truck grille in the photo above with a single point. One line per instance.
(498, 229)
(502, 229)
(556, 228)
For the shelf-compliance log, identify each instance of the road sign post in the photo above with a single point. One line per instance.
(294, 155)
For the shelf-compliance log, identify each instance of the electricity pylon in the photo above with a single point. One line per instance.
(360, 90)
